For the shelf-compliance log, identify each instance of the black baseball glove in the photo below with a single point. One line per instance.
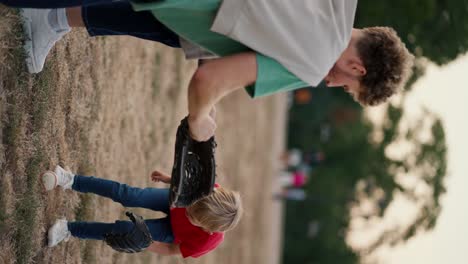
(194, 170)
(138, 239)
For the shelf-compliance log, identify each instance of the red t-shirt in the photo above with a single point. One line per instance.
(193, 240)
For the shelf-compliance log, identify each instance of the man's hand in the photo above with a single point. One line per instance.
(158, 176)
(202, 129)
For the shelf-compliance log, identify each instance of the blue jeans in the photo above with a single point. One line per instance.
(51, 3)
(110, 17)
(150, 198)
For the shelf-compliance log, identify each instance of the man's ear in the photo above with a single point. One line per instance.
(358, 68)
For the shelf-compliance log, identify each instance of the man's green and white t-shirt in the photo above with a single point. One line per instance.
(297, 41)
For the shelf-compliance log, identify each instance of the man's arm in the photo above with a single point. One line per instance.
(213, 80)
(164, 248)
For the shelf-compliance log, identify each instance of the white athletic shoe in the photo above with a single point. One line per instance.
(59, 177)
(40, 37)
(58, 232)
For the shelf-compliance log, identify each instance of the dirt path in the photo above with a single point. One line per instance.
(110, 107)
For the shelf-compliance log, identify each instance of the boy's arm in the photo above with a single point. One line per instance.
(159, 176)
(164, 248)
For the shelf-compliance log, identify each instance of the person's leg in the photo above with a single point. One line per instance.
(44, 27)
(118, 18)
(160, 229)
(150, 198)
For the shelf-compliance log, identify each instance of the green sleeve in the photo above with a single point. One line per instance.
(272, 77)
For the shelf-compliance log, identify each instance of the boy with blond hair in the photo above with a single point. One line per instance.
(191, 232)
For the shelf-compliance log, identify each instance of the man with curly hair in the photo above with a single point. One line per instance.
(267, 46)
(374, 66)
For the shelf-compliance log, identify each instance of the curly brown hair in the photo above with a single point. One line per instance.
(387, 61)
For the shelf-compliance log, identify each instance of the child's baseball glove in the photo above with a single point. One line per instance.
(194, 170)
(138, 239)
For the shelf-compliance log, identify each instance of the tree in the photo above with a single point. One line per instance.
(425, 164)
(436, 29)
(358, 167)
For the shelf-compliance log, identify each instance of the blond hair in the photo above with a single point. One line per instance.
(388, 63)
(220, 211)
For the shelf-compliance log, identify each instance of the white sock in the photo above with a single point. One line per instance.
(58, 20)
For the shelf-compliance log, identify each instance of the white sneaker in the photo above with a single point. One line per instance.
(59, 177)
(40, 37)
(58, 232)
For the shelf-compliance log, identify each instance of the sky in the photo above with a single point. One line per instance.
(444, 91)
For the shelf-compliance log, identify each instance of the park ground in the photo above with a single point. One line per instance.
(110, 107)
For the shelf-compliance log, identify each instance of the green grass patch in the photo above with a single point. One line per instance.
(42, 99)
(26, 99)
(3, 210)
(29, 203)
(16, 82)
(25, 214)
(26, 211)
(11, 130)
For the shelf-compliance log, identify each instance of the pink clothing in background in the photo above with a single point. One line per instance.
(300, 179)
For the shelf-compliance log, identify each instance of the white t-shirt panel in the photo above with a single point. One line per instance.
(305, 36)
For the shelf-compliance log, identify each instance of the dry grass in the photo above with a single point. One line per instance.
(110, 107)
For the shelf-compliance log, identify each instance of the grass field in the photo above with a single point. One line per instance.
(110, 107)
